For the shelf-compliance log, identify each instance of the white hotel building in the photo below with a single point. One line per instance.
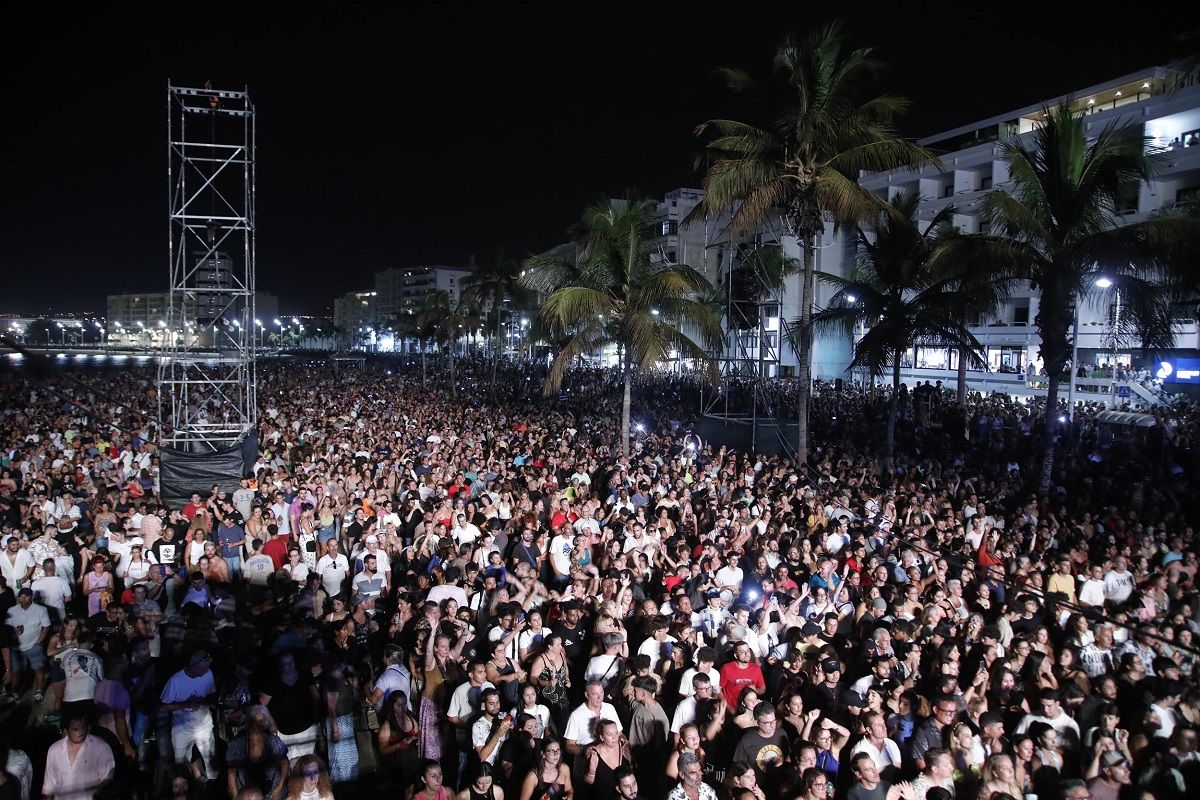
(1170, 119)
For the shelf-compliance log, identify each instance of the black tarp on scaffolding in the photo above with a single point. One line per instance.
(180, 473)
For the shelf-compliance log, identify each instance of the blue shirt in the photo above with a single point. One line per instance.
(231, 537)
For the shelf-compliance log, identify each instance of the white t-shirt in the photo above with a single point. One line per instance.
(1118, 586)
(581, 723)
(31, 620)
(333, 571)
(182, 687)
(52, 592)
(83, 671)
(259, 568)
(560, 554)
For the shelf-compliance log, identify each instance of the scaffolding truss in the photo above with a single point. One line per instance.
(206, 372)
(751, 353)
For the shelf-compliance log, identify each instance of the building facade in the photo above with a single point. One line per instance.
(401, 290)
(1169, 117)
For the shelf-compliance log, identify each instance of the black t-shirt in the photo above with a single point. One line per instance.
(575, 641)
(291, 705)
(860, 792)
(167, 553)
(766, 753)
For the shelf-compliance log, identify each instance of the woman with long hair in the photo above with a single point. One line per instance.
(742, 778)
(999, 777)
(748, 699)
(257, 756)
(60, 643)
(550, 778)
(399, 731)
(550, 672)
(689, 742)
(310, 780)
(600, 762)
(483, 786)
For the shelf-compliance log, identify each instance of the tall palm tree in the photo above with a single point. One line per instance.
(900, 299)
(490, 285)
(445, 321)
(800, 162)
(611, 292)
(1057, 227)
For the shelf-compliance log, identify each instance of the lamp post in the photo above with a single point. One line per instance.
(259, 325)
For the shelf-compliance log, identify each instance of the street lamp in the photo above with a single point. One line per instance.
(258, 322)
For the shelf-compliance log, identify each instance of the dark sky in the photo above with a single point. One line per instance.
(430, 132)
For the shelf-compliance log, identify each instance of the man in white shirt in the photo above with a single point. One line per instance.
(490, 730)
(1118, 582)
(587, 524)
(369, 584)
(581, 725)
(32, 625)
(282, 512)
(1054, 716)
(259, 567)
(1091, 587)
(333, 569)
(659, 644)
(52, 590)
(560, 553)
(189, 696)
(464, 532)
(884, 752)
(16, 565)
(700, 688)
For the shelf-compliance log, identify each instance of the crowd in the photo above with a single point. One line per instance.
(475, 595)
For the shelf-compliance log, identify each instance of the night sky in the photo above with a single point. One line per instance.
(431, 132)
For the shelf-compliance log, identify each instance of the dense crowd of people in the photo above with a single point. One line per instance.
(474, 594)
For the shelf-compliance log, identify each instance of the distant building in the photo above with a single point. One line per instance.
(355, 310)
(401, 290)
(1167, 114)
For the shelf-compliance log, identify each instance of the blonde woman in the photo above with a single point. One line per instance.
(999, 777)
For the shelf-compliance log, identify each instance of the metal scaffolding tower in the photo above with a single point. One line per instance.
(754, 331)
(206, 372)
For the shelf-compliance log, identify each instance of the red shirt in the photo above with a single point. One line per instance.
(277, 548)
(733, 680)
(560, 518)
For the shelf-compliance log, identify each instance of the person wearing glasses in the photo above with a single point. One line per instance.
(930, 733)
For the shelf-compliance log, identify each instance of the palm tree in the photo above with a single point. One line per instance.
(1057, 227)
(490, 285)
(445, 321)
(801, 162)
(611, 292)
(899, 298)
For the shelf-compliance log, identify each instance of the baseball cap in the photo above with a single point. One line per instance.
(831, 665)
(810, 629)
(1112, 758)
(853, 699)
